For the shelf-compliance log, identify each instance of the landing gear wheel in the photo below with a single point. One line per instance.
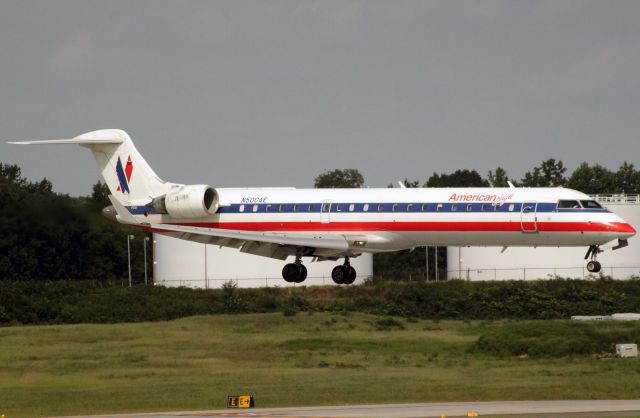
(290, 272)
(344, 274)
(351, 275)
(294, 272)
(302, 274)
(593, 266)
(339, 274)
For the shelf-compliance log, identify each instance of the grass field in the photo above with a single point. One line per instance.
(306, 359)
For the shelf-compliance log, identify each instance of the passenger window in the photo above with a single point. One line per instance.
(295, 208)
(469, 207)
(511, 207)
(454, 207)
(496, 206)
(310, 208)
(326, 207)
(255, 208)
(380, 207)
(439, 207)
(241, 208)
(568, 204)
(352, 207)
(268, 208)
(424, 207)
(483, 208)
(339, 207)
(365, 208)
(394, 208)
(410, 207)
(590, 204)
(280, 207)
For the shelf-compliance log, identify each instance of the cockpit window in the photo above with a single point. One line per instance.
(568, 204)
(590, 204)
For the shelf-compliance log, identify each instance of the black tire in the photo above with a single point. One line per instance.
(302, 274)
(290, 273)
(339, 274)
(351, 277)
(594, 266)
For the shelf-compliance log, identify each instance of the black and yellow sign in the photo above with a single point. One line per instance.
(241, 401)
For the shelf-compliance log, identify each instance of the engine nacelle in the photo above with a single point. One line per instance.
(195, 201)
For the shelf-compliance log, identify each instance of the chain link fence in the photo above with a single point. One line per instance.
(534, 273)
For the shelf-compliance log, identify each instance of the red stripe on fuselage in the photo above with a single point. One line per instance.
(514, 226)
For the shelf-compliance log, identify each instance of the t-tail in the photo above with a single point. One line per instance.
(133, 183)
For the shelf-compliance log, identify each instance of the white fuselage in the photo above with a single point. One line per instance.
(375, 220)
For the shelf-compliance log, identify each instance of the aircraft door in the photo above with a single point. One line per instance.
(529, 217)
(325, 212)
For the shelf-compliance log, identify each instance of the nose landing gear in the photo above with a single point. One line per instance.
(593, 266)
(344, 274)
(294, 272)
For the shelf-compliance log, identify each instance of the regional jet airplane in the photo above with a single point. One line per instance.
(328, 224)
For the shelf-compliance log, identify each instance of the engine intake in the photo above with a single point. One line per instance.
(195, 201)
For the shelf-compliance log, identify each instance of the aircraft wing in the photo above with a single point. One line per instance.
(297, 240)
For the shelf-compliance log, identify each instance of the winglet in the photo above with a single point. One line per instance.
(122, 214)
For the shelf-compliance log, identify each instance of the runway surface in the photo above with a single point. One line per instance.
(601, 408)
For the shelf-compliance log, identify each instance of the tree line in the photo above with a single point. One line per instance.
(50, 236)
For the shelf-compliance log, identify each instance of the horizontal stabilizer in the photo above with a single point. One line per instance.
(79, 141)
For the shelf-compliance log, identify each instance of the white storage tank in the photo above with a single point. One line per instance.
(185, 263)
(488, 263)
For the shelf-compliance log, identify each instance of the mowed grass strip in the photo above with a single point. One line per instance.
(306, 359)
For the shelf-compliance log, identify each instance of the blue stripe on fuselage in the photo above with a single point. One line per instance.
(390, 207)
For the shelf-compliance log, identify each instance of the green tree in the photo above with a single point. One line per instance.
(336, 179)
(592, 179)
(100, 194)
(549, 173)
(498, 178)
(627, 179)
(44, 235)
(459, 178)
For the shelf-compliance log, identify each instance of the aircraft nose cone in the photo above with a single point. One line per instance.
(109, 212)
(625, 230)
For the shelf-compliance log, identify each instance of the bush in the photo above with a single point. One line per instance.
(92, 301)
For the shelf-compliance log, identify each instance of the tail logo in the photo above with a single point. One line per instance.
(124, 175)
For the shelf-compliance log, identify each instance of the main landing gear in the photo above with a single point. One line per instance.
(593, 266)
(294, 272)
(344, 274)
